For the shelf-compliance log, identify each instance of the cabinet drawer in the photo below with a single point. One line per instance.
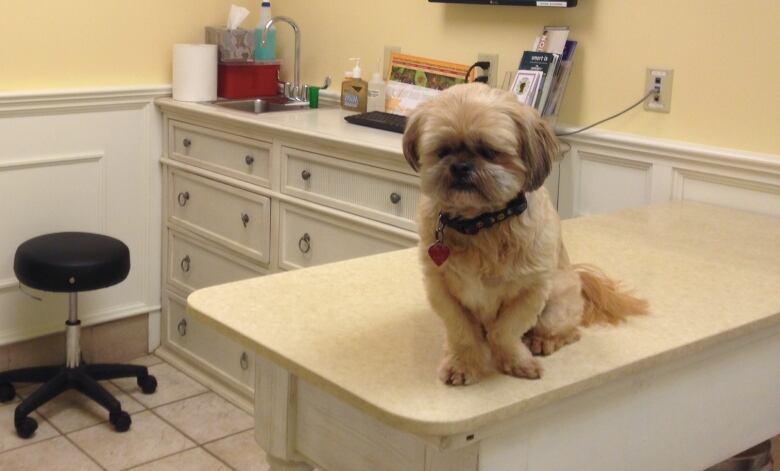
(225, 358)
(383, 195)
(308, 238)
(228, 154)
(235, 218)
(193, 264)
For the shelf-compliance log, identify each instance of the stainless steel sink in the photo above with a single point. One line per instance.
(263, 105)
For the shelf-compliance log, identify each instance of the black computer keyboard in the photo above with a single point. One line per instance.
(379, 120)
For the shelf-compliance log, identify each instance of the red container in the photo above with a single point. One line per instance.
(247, 79)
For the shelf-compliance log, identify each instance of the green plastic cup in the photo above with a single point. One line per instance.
(314, 97)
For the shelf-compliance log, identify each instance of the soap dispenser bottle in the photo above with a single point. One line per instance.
(354, 90)
(267, 52)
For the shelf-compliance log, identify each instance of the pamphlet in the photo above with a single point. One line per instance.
(413, 80)
(526, 85)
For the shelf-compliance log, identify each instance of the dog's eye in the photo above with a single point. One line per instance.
(487, 153)
(443, 152)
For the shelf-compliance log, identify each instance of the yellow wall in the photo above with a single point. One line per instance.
(88, 43)
(724, 53)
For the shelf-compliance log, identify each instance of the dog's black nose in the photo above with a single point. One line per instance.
(461, 170)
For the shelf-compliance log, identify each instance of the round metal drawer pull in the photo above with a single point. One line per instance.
(182, 327)
(183, 198)
(395, 198)
(186, 142)
(245, 218)
(185, 263)
(244, 361)
(249, 160)
(304, 243)
(306, 174)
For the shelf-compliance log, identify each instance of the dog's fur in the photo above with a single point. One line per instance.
(509, 291)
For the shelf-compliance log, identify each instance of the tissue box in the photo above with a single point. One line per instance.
(235, 45)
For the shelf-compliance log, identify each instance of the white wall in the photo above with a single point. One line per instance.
(81, 161)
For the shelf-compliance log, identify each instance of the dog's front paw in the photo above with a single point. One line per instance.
(458, 373)
(547, 345)
(520, 366)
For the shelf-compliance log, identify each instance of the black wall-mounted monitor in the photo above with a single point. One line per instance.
(525, 3)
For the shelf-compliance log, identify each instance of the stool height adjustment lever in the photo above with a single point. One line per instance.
(24, 290)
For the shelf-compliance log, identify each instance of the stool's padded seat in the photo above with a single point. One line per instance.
(71, 261)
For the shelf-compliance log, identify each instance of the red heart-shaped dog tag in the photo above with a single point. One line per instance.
(439, 253)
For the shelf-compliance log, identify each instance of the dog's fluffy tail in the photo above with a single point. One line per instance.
(605, 300)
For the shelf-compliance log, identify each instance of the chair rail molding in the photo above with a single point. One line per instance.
(607, 171)
(81, 159)
(26, 103)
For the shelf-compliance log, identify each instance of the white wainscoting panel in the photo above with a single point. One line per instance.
(80, 160)
(605, 171)
(610, 183)
(727, 191)
(32, 207)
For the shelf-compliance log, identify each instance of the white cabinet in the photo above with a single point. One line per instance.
(237, 206)
(229, 154)
(309, 238)
(210, 350)
(364, 190)
(193, 263)
(234, 218)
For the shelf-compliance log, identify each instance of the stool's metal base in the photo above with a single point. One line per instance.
(73, 375)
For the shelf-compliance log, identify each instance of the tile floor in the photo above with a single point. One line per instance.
(182, 427)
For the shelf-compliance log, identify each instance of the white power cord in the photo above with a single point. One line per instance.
(652, 91)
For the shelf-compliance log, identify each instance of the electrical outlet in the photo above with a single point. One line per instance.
(388, 51)
(492, 72)
(661, 80)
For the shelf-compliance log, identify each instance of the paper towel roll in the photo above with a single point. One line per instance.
(195, 72)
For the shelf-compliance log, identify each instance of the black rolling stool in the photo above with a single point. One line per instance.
(71, 262)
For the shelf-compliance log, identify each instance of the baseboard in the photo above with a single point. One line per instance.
(32, 332)
(117, 341)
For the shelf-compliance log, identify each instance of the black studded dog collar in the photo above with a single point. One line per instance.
(471, 226)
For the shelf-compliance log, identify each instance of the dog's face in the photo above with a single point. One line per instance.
(477, 147)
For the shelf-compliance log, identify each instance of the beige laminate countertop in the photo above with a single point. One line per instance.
(326, 123)
(363, 330)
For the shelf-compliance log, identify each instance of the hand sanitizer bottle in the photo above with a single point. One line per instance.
(376, 93)
(268, 52)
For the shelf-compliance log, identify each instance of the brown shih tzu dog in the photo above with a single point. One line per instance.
(495, 267)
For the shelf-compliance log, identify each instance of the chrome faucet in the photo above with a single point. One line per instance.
(298, 90)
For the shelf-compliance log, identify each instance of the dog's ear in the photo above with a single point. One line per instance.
(539, 146)
(411, 135)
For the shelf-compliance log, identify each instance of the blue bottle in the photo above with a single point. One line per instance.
(268, 52)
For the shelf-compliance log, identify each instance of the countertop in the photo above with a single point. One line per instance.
(363, 330)
(322, 123)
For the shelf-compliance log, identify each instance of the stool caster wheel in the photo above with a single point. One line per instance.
(7, 392)
(148, 384)
(26, 427)
(121, 421)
